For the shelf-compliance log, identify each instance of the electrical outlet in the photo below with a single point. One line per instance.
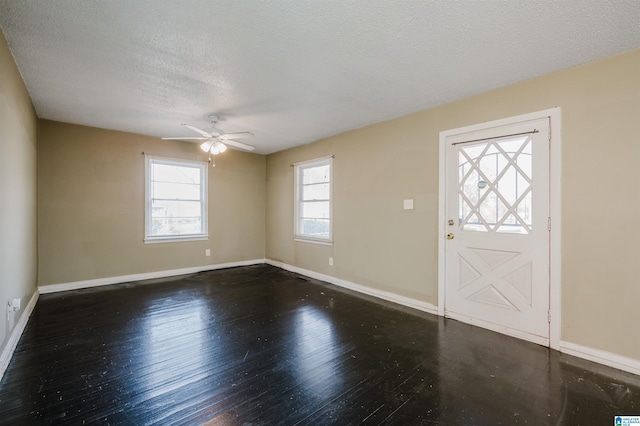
(331, 261)
(15, 304)
(207, 252)
(12, 306)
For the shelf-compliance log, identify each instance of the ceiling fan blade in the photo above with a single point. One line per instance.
(238, 135)
(195, 129)
(186, 139)
(239, 145)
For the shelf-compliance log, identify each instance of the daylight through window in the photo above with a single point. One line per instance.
(313, 195)
(176, 200)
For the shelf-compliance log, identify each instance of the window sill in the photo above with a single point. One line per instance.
(312, 241)
(175, 239)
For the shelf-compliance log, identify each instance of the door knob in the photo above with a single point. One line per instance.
(449, 236)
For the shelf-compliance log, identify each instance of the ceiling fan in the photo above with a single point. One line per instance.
(216, 140)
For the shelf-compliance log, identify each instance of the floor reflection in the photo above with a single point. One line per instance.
(177, 348)
(316, 354)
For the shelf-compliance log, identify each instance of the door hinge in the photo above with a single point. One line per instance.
(549, 316)
(549, 223)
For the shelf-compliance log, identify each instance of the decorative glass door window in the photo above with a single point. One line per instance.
(495, 185)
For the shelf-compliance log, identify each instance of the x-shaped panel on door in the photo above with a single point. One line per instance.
(495, 277)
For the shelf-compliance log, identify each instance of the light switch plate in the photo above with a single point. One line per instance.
(408, 204)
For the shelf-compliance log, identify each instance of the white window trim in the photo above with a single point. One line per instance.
(297, 200)
(152, 239)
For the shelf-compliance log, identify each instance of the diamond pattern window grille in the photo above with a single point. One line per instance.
(495, 186)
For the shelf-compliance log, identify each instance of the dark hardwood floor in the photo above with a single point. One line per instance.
(260, 346)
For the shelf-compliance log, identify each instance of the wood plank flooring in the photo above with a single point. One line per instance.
(260, 346)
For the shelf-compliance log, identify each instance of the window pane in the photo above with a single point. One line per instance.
(318, 228)
(317, 174)
(162, 208)
(176, 218)
(176, 226)
(176, 191)
(313, 207)
(316, 192)
(319, 209)
(488, 208)
(494, 185)
(512, 145)
(473, 151)
(509, 184)
(176, 201)
(524, 162)
(174, 173)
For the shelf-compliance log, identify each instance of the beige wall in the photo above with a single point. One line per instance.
(18, 242)
(91, 205)
(91, 185)
(380, 245)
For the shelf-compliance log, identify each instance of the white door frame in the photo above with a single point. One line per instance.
(554, 115)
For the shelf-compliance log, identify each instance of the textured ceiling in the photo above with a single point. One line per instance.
(292, 72)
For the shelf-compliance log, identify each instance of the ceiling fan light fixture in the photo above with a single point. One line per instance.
(213, 139)
(206, 146)
(218, 148)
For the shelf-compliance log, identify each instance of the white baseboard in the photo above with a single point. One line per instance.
(54, 288)
(620, 362)
(380, 294)
(8, 350)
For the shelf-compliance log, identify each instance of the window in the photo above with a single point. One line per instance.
(176, 200)
(313, 200)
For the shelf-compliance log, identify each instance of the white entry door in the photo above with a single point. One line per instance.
(497, 230)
